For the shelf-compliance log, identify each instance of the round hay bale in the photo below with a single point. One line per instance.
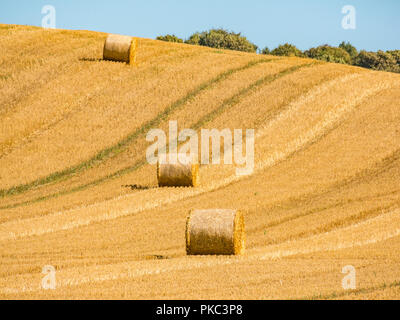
(179, 174)
(120, 48)
(215, 232)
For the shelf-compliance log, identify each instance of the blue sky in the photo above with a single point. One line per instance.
(305, 23)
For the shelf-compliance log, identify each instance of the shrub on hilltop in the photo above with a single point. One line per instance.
(170, 38)
(222, 39)
(350, 49)
(378, 61)
(329, 54)
(287, 50)
(266, 51)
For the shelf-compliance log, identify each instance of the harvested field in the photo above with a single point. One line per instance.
(77, 193)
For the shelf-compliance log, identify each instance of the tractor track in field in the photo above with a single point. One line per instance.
(145, 199)
(230, 102)
(356, 235)
(362, 176)
(109, 152)
(36, 85)
(289, 109)
(226, 104)
(78, 104)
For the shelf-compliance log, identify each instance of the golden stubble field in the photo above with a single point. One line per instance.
(76, 192)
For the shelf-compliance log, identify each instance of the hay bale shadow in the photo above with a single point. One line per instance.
(156, 257)
(136, 187)
(91, 59)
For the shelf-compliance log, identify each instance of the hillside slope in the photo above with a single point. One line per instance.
(77, 193)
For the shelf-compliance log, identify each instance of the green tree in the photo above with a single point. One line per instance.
(288, 50)
(378, 61)
(350, 49)
(170, 38)
(329, 54)
(266, 51)
(396, 55)
(222, 39)
(194, 39)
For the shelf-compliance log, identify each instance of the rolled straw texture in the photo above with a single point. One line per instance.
(120, 48)
(179, 174)
(215, 232)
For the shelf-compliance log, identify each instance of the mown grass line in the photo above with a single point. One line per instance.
(117, 148)
(230, 102)
(235, 99)
(335, 295)
(362, 176)
(114, 175)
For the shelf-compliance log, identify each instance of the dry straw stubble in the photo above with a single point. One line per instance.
(215, 232)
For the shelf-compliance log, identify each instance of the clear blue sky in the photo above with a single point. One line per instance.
(305, 23)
